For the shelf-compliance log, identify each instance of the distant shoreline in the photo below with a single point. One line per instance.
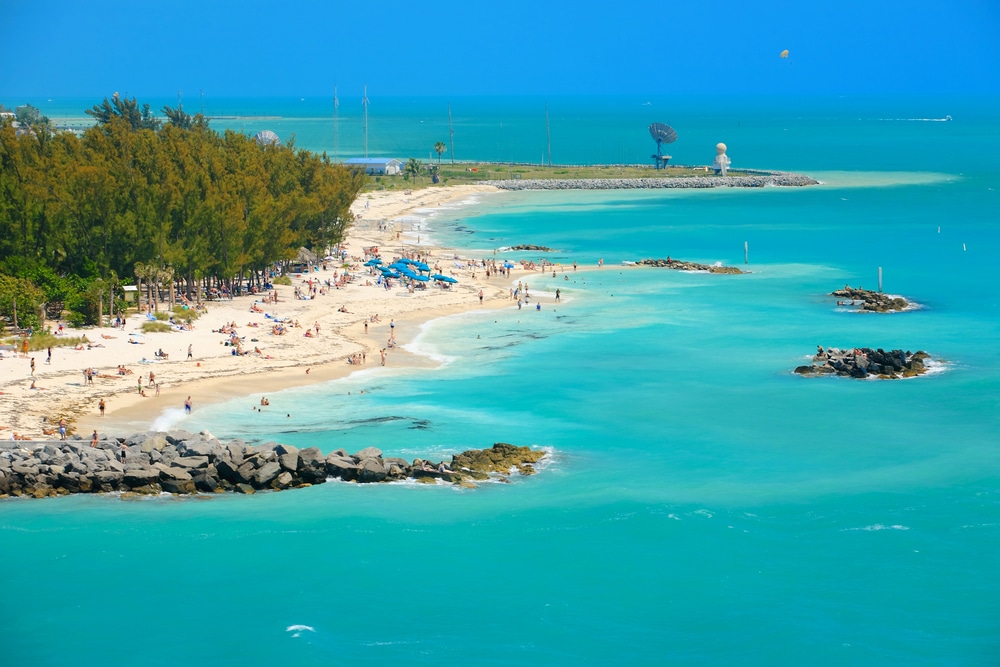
(683, 182)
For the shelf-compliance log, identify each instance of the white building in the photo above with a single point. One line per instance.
(376, 166)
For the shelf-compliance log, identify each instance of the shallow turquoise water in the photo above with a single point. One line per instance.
(703, 505)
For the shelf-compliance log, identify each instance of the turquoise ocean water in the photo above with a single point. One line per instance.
(702, 505)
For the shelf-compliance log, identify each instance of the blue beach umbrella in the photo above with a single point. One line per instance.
(405, 260)
(421, 278)
(421, 266)
(447, 279)
(508, 265)
(438, 276)
(372, 262)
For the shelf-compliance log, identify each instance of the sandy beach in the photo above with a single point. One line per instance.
(213, 373)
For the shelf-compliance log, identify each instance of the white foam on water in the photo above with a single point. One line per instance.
(880, 526)
(168, 419)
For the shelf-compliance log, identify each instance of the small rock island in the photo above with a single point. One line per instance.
(863, 362)
(679, 265)
(869, 300)
(184, 463)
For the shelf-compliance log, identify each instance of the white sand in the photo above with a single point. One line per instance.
(214, 374)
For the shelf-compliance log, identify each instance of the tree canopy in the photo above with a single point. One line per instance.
(134, 192)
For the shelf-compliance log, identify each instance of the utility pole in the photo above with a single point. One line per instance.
(451, 136)
(364, 103)
(336, 128)
(548, 135)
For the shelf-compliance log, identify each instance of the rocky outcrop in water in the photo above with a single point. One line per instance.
(679, 265)
(869, 300)
(539, 248)
(863, 362)
(184, 463)
(752, 181)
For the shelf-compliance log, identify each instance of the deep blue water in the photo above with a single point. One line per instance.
(703, 504)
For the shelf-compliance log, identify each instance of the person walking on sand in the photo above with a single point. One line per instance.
(187, 405)
(48, 359)
(101, 406)
(32, 367)
(480, 297)
(191, 351)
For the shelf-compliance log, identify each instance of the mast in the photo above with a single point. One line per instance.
(336, 127)
(451, 136)
(364, 103)
(548, 135)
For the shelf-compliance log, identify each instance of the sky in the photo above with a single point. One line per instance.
(470, 47)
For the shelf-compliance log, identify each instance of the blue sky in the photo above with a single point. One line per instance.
(472, 47)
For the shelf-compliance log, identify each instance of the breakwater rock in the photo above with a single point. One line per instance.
(184, 463)
(863, 362)
(869, 300)
(539, 248)
(679, 265)
(751, 181)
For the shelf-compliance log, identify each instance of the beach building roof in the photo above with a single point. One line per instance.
(306, 256)
(375, 165)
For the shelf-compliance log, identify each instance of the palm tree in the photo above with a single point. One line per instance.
(439, 148)
(412, 168)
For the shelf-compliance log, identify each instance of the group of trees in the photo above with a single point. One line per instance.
(135, 197)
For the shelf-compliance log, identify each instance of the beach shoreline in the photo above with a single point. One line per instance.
(213, 373)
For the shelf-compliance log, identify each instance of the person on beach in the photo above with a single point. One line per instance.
(101, 406)
(93, 439)
(191, 351)
(62, 429)
(557, 294)
(480, 298)
(187, 405)
(32, 367)
(48, 360)
(124, 452)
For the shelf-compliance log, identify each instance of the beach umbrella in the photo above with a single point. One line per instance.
(408, 273)
(447, 279)
(508, 265)
(376, 260)
(371, 262)
(438, 276)
(406, 260)
(421, 278)
(421, 266)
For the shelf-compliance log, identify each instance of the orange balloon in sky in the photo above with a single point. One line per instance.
(784, 54)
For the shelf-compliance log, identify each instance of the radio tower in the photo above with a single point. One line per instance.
(364, 102)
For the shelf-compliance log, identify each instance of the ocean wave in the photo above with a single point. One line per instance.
(880, 526)
(168, 419)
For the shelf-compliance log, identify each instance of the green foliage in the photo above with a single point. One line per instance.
(21, 295)
(282, 280)
(156, 327)
(132, 201)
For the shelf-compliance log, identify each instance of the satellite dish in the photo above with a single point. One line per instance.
(267, 138)
(662, 134)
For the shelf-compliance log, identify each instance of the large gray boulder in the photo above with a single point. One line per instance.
(288, 457)
(341, 466)
(190, 462)
(139, 477)
(266, 473)
(199, 448)
(371, 470)
(368, 453)
(312, 466)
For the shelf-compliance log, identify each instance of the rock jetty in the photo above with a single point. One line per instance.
(863, 362)
(184, 463)
(679, 265)
(539, 248)
(751, 181)
(869, 300)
